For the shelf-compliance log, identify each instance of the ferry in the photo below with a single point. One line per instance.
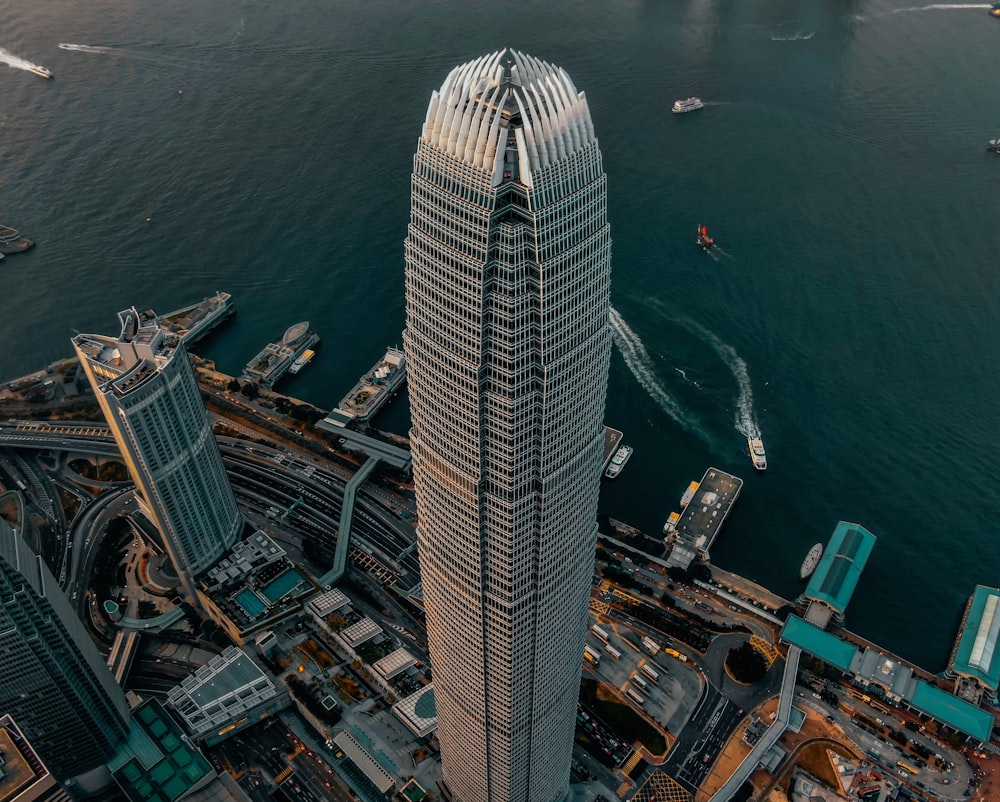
(757, 455)
(994, 144)
(42, 71)
(302, 361)
(688, 104)
(704, 240)
(811, 561)
(618, 461)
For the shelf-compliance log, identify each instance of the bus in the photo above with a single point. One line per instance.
(650, 672)
(640, 683)
(907, 767)
(613, 652)
(592, 655)
(599, 633)
(635, 696)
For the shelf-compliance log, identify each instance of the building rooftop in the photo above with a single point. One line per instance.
(358, 633)
(818, 642)
(394, 663)
(158, 763)
(838, 572)
(328, 602)
(23, 776)
(953, 711)
(418, 711)
(976, 653)
(360, 757)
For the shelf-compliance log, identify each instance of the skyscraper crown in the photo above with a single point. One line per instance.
(508, 98)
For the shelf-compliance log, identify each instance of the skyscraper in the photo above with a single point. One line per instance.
(508, 258)
(146, 386)
(55, 684)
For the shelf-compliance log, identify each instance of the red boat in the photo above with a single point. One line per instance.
(704, 240)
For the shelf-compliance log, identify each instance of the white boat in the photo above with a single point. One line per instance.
(302, 361)
(42, 71)
(811, 561)
(688, 104)
(994, 144)
(618, 461)
(757, 455)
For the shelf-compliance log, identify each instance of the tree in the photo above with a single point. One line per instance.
(233, 386)
(746, 664)
(250, 390)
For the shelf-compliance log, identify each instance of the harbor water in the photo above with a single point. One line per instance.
(839, 162)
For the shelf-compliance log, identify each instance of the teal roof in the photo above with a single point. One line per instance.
(953, 711)
(976, 654)
(156, 763)
(838, 572)
(814, 640)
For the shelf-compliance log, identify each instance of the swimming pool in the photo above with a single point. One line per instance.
(252, 603)
(282, 584)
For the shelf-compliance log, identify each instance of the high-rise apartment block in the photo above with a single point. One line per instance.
(508, 262)
(54, 683)
(145, 384)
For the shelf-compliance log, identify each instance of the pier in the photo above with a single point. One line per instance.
(276, 358)
(193, 322)
(371, 392)
(699, 524)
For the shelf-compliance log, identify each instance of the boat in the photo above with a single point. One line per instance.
(994, 144)
(689, 494)
(704, 240)
(688, 104)
(42, 71)
(618, 461)
(995, 11)
(671, 523)
(811, 561)
(302, 361)
(757, 455)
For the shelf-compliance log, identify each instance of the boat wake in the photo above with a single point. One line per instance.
(746, 418)
(937, 7)
(641, 366)
(797, 37)
(84, 48)
(18, 63)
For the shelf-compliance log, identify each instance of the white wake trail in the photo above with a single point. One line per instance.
(746, 419)
(641, 365)
(84, 48)
(18, 63)
(937, 7)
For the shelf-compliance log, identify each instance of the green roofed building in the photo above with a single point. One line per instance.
(158, 763)
(975, 660)
(837, 574)
(954, 712)
(816, 641)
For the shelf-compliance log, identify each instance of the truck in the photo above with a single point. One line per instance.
(677, 654)
(613, 652)
(650, 672)
(640, 683)
(599, 633)
(651, 646)
(635, 696)
(592, 655)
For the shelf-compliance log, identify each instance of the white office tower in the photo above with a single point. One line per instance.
(145, 384)
(508, 261)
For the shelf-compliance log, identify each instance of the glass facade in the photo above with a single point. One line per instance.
(149, 394)
(508, 258)
(55, 684)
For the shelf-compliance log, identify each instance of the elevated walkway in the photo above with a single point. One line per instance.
(346, 519)
(122, 652)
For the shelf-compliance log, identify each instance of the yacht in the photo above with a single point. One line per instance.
(757, 455)
(689, 104)
(811, 561)
(704, 240)
(618, 461)
(994, 144)
(45, 73)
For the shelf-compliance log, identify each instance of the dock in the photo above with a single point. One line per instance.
(191, 323)
(695, 530)
(11, 241)
(371, 392)
(275, 359)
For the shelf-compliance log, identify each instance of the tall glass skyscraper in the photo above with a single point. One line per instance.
(146, 386)
(508, 263)
(54, 682)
